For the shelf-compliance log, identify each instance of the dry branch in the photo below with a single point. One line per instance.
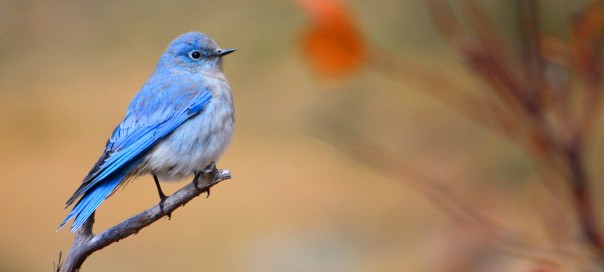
(463, 213)
(86, 243)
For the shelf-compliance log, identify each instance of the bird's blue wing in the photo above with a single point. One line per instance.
(136, 135)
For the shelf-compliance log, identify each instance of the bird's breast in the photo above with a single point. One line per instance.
(197, 142)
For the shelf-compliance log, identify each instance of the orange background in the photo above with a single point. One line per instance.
(69, 68)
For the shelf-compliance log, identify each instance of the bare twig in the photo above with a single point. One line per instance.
(587, 46)
(530, 38)
(530, 98)
(461, 211)
(586, 212)
(56, 267)
(86, 243)
(456, 94)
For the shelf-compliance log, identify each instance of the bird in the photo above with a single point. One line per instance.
(177, 126)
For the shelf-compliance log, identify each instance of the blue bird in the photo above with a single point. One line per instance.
(177, 125)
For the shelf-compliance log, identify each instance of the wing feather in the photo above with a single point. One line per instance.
(136, 135)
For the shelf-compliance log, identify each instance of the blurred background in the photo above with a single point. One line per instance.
(302, 198)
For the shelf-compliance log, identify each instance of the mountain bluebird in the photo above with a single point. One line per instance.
(177, 125)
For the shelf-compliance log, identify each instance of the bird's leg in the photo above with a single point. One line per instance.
(162, 197)
(210, 172)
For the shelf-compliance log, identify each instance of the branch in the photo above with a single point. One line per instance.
(435, 190)
(465, 214)
(530, 38)
(86, 243)
(586, 211)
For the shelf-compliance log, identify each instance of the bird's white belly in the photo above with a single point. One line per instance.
(194, 145)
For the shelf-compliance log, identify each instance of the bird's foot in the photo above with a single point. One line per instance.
(161, 206)
(208, 173)
(162, 197)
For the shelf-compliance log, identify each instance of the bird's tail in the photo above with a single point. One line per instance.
(91, 200)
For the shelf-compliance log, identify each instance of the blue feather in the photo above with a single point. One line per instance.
(91, 200)
(125, 146)
(177, 94)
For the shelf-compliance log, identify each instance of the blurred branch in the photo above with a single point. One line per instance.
(483, 110)
(483, 50)
(521, 109)
(584, 200)
(454, 94)
(588, 39)
(86, 243)
(463, 213)
(507, 97)
(527, 96)
(524, 95)
(530, 35)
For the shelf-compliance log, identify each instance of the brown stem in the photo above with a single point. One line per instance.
(584, 201)
(530, 35)
(86, 243)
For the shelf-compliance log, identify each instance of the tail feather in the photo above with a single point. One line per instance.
(91, 200)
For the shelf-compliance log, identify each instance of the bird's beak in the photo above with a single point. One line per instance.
(224, 52)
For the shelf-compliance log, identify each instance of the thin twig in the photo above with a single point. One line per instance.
(86, 243)
(487, 57)
(56, 267)
(586, 212)
(455, 94)
(588, 38)
(463, 213)
(530, 38)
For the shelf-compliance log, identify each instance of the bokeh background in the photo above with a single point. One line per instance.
(296, 202)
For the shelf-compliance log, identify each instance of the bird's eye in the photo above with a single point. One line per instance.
(195, 55)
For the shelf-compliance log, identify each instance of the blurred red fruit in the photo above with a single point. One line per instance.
(332, 44)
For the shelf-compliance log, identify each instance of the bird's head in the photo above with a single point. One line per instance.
(195, 52)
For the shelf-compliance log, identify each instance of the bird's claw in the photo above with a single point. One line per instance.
(162, 197)
(161, 208)
(208, 173)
